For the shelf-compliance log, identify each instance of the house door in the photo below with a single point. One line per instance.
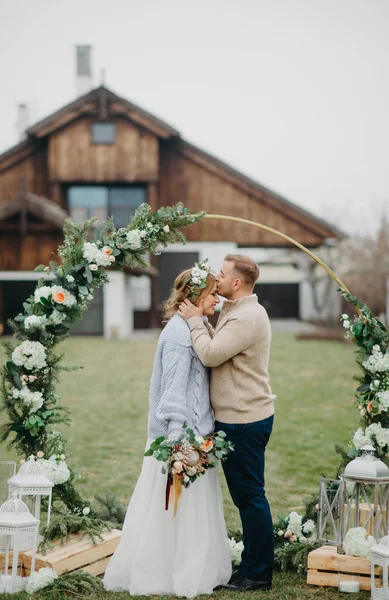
(169, 265)
(281, 300)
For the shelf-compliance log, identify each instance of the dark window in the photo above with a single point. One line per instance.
(120, 202)
(103, 133)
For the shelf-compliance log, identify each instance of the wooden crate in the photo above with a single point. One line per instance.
(327, 568)
(76, 554)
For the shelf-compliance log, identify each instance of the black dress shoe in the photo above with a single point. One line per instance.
(235, 576)
(245, 585)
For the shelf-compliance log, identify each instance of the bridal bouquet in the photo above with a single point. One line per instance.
(187, 458)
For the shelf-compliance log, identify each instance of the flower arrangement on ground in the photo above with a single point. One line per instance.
(186, 458)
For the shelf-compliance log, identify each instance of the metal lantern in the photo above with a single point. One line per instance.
(31, 481)
(380, 557)
(360, 498)
(20, 530)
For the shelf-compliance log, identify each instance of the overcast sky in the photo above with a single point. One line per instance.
(293, 93)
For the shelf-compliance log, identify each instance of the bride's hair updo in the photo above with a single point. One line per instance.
(181, 291)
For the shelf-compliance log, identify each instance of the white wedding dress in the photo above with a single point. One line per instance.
(185, 556)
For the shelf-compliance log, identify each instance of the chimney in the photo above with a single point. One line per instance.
(22, 121)
(84, 79)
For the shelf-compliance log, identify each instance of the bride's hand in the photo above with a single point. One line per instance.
(187, 309)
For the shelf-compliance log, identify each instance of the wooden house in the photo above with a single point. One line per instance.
(102, 155)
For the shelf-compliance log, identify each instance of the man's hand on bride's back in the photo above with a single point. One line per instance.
(187, 309)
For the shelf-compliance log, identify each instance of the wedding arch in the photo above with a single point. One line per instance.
(33, 366)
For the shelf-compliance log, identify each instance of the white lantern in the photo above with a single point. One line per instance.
(380, 557)
(30, 480)
(20, 530)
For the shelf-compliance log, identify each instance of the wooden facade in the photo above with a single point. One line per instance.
(59, 152)
(144, 157)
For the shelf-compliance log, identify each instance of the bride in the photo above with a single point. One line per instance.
(189, 554)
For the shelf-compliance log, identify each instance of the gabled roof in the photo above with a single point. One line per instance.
(40, 207)
(106, 103)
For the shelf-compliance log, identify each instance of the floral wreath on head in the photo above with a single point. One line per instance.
(198, 278)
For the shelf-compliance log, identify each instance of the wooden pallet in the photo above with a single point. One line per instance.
(327, 568)
(76, 554)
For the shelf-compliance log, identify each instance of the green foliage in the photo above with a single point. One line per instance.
(294, 556)
(68, 585)
(112, 509)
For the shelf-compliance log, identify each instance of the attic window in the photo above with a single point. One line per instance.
(103, 133)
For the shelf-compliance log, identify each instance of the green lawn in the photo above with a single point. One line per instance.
(109, 398)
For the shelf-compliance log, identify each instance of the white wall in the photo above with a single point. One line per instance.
(118, 309)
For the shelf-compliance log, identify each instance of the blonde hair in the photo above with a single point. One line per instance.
(181, 291)
(245, 267)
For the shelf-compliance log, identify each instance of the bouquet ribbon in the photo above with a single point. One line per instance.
(173, 492)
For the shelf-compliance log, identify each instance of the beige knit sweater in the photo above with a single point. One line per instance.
(238, 352)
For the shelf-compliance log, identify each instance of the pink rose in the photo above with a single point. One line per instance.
(40, 454)
(21, 461)
(178, 466)
(31, 378)
(288, 533)
(93, 267)
(112, 259)
(62, 457)
(293, 538)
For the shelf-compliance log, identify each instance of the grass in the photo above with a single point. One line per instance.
(314, 411)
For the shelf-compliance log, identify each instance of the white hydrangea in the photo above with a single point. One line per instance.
(377, 362)
(360, 439)
(308, 527)
(294, 523)
(134, 238)
(57, 317)
(236, 549)
(42, 292)
(196, 272)
(40, 579)
(383, 398)
(358, 543)
(94, 255)
(373, 434)
(61, 296)
(33, 400)
(30, 355)
(56, 470)
(35, 322)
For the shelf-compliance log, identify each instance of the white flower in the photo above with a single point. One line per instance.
(346, 324)
(112, 259)
(186, 478)
(30, 355)
(61, 296)
(143, 233)
(383, 398)
(86, 511)
(94, 255)
(40, 579)
(344, 316)
(358, 543)
(149, 225)
(377, 362)
(166, 229)
(280, 533)
(196, 272)
(362, 412)
(236, 549)
(93, 267)
(360, 439)
(35, 322)
(196, 280)
(134, 239)
(294, 523)
(70, 278)
(42, 292)
(56, 470)
(33, 400)
(308, 527)
(89, 297)
(57, 317)
(199, 439)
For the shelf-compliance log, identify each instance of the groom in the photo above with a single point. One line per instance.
(238, 352)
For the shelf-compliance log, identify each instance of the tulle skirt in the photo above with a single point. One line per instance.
(185, 556)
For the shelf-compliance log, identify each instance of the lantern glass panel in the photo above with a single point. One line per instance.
(328, 518)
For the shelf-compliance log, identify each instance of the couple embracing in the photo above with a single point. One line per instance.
(189, 555)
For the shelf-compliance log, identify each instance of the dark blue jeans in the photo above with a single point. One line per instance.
(245, 474)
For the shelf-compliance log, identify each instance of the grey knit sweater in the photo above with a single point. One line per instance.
(179, 388)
